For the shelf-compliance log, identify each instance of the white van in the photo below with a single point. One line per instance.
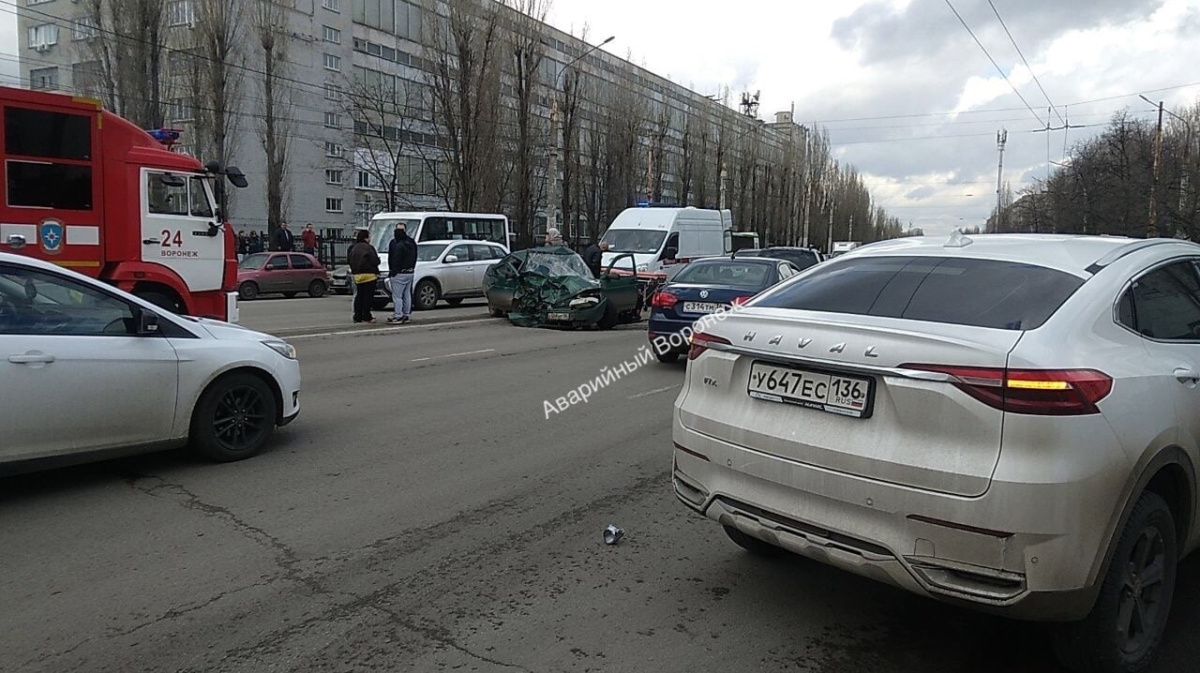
(440, 227)
(661, 237)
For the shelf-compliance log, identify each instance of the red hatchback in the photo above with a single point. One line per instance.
(286, 273)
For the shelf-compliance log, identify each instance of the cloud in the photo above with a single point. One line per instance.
(920, 193)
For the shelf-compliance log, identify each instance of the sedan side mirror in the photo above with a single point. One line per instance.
(450, 259)
(147, 323)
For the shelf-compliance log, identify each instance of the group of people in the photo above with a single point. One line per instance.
(364, 270)
(283, 241)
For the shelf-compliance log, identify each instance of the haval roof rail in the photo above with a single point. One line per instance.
(1124, 250)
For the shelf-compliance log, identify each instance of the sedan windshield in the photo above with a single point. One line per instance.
(254, 261)
(429, 252)
(732, 272)
(556, 265)
(639, 241)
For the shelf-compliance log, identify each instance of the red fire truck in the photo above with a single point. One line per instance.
(90, 191)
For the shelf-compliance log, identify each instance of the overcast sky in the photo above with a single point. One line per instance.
(900, 85)
(841, 62)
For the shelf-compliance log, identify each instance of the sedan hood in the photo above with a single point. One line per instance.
(229, 331)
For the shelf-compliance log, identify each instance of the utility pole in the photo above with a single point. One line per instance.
(1001, 141)
(1152, 224)
(1183, 174)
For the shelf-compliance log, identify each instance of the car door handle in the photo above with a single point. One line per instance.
(150, 241)
(1187, 376)
(31, 358)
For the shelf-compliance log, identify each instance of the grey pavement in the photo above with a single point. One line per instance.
(423, 515)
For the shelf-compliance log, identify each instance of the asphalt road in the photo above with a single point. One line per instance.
(423, 515)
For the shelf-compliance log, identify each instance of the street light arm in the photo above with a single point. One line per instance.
(584, 55)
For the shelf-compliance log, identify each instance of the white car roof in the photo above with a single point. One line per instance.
(452, 241)
(1077, 255)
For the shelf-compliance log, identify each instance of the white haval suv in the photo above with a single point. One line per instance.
(1005, 422)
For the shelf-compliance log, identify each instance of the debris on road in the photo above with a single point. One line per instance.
(613, 535)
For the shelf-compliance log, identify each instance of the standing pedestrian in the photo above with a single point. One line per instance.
(308, 240)
(553, 237)
(256, 242)
(594, 257)
(243, 245)
(364, 267)
(284, 241)
(402, 263)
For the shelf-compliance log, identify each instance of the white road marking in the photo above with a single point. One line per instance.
(383, 330)
(656, 391)
(456, 355)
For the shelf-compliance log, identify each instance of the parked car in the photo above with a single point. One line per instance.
(552, 286)
(708, 286)
(448, 271)
(339, 280)
(1006, 422)
(286, 273)
(91, 371)
(801, 258)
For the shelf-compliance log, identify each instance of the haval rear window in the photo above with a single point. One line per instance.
(977, 292)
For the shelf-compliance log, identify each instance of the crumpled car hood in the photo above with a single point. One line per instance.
(537, 294)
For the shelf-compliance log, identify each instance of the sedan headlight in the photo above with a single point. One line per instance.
(282, 347)
(643, 267)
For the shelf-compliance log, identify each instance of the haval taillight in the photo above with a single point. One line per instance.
(1041, 392)
(663, 300)
(700, 342)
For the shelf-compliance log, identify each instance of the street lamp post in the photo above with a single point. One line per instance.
(1187, 148)
(552, 169)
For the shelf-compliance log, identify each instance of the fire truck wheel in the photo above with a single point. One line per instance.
(248, 290)
(317, 289)
(160, 300)
(234, 418)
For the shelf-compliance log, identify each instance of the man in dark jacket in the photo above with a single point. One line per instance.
(402, 263)
(593, 256)
(284, 241)
(364, 269)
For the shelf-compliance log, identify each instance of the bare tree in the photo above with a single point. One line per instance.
(217, 83)
(275, 126)
(463, 56)
(380, 105)
(527, 56)
(130, 50)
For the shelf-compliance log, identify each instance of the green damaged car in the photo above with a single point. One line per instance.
(552, 287)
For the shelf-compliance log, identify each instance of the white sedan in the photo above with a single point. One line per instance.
(89, 371)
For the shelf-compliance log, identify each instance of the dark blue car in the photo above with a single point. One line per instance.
(707, 286)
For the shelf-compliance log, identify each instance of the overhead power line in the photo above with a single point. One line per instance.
(997, 65)
(1023, 60)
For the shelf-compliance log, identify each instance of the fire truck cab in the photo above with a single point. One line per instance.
(90, 191)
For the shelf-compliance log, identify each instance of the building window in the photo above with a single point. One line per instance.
(43, 37)
(43, 78)
(333, 120)
(333, 176)
(333, 62)
(334, 92)
(181, 13)
(334, 150)
(332, 5)
(84, 28)
(331, 35)
(333, 205)
(181, 110)
(394, 16)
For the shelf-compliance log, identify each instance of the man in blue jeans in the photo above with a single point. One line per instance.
(402, 262)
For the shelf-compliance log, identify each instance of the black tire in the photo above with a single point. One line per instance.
(1125, 627)
(317, 289)
(610, 317)
(289, 295)
(234, 418)
(455, 302)
(426, 295)
(667, 358)
(752, 544)
(495, 312)
(248, 290)
(161, 300)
